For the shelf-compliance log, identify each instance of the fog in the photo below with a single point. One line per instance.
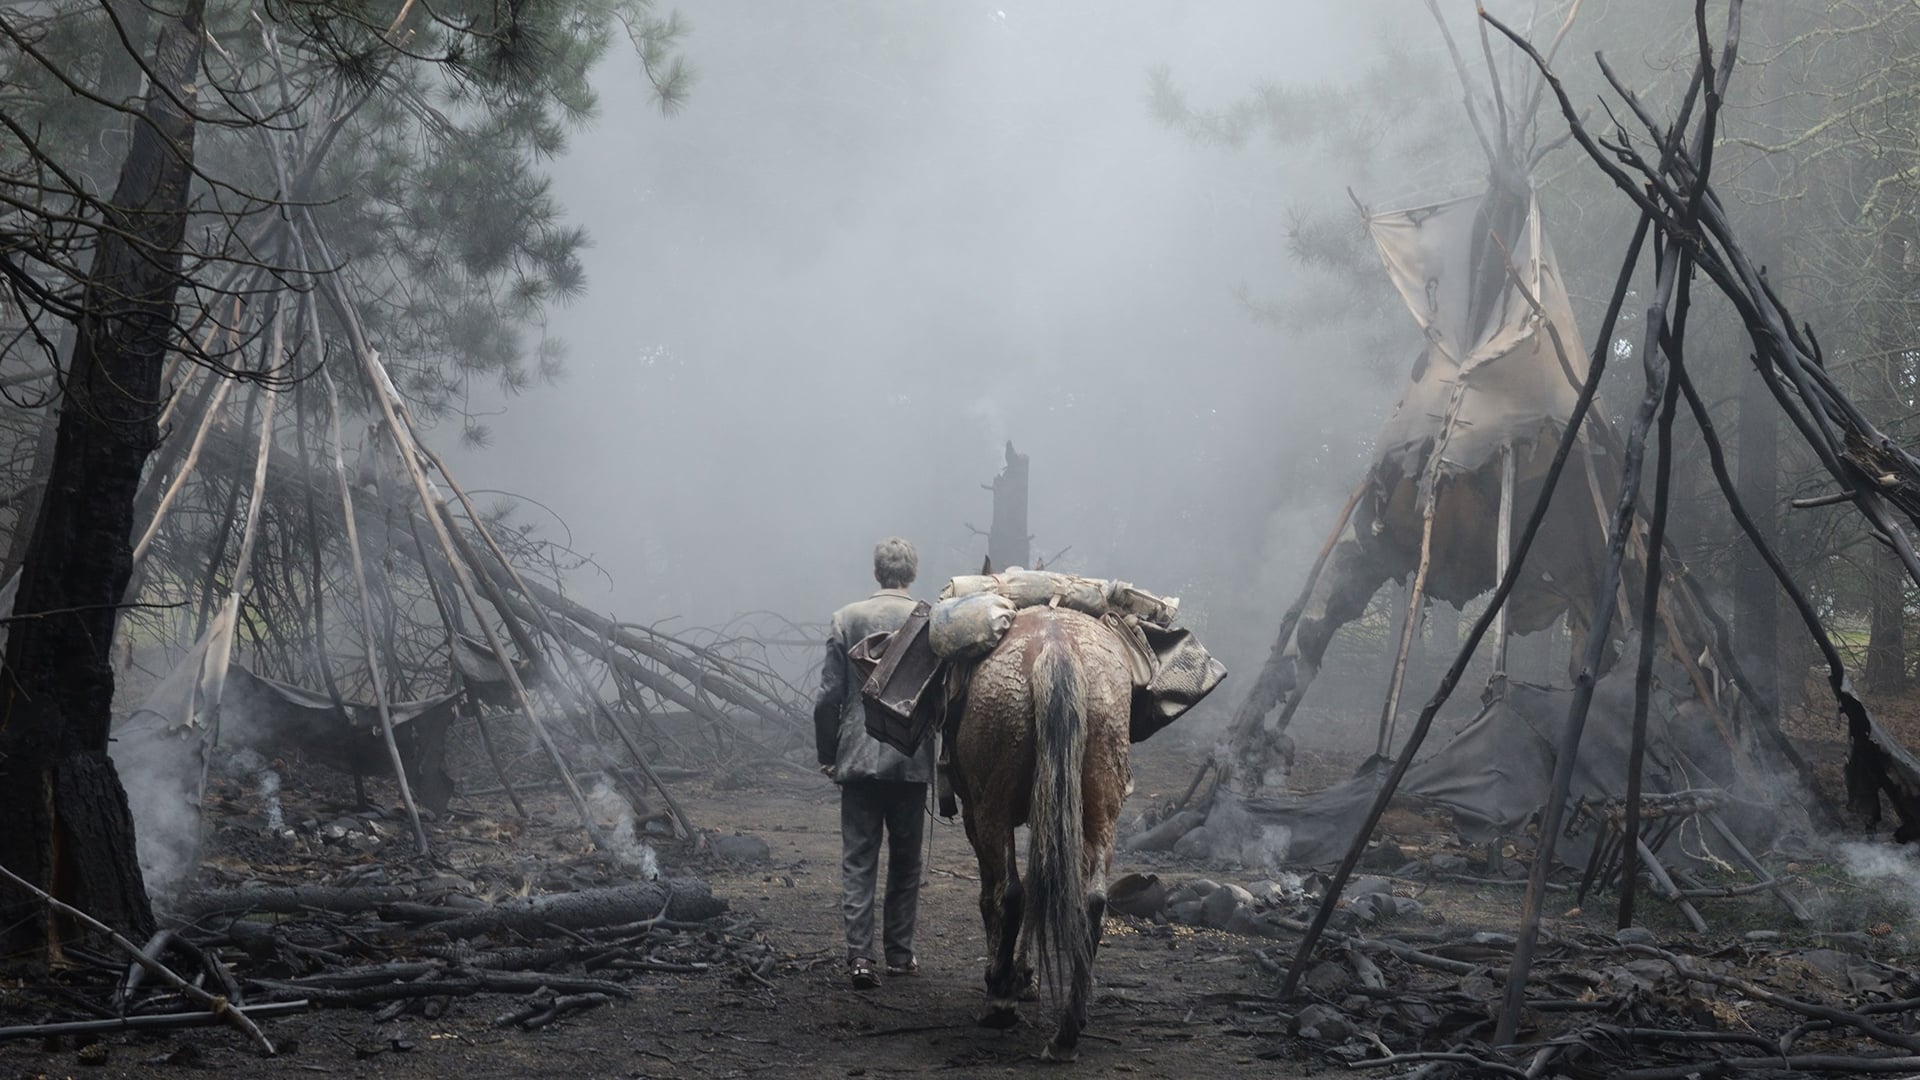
(881, 239)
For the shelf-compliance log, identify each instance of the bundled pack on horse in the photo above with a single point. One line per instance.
(1039, 684)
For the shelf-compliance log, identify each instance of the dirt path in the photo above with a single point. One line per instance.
(1151, 1018)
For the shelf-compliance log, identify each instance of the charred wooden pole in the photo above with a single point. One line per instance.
(1674, 347)
(1862, 731)
(1666, 282)
(1875, 473)
(1649, 605)
(1503, 555)
(1569, 438)
(1597, 638)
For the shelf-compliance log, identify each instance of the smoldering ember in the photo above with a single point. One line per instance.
(1304, 538)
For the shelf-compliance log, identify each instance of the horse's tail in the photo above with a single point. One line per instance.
(1056, 862)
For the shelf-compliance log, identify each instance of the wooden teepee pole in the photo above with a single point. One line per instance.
(449, 610)
(1649, 604)
(1265, 693)
(219, 650)
(1522, 545)
(1410, 627)
(374, 677)
(581, 686)
(381, 387)
(1504, 555)
(1621, 525)
(179, 481)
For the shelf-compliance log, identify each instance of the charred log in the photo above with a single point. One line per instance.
(683, 899)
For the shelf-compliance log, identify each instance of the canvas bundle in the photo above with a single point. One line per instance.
(1171, 670)
(1091, 596)
(965, 627)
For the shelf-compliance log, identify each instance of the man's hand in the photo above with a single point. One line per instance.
(826, 771)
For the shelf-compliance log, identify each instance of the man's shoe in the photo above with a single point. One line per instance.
(860, 974)
(911, 967)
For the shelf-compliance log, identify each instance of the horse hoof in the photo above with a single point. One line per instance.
(998, 1015)
(1053, 1051)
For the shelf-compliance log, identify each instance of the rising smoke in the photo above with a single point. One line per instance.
(881, 240)
(1886, 865)
(160, 768)
(625, 845)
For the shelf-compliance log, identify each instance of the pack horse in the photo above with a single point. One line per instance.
(1040, 683)
(1043, 742)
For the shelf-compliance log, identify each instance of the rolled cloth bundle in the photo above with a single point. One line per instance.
(964, 627)
(1091, 596)
(1171, 670)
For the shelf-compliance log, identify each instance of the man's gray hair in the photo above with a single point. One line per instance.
(895, 563)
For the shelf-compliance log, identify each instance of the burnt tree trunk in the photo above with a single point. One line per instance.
(1886, 667)
(68, 828)
(1007, 542)
(119, 76)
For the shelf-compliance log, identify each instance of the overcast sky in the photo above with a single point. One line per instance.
(885, 236)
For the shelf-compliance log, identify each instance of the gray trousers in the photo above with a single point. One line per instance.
(867, 808)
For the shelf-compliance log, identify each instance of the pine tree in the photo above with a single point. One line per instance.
(412, 136)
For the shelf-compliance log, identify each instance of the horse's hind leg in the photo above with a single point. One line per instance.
(1003, 979)
(1002, 903)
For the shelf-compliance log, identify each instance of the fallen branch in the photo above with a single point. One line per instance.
(218, 1008)
(1448, 1058)
(683, 899)
(438, 981)
(545, 1010)
(1835, 1063)
(161, 1022)
(1760, 993)
(293, 899)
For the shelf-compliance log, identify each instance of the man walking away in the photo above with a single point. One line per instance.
(881, 789)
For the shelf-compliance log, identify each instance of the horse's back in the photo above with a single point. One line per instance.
(995, 741)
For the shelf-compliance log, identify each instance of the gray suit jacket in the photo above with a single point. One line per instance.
(840, 718)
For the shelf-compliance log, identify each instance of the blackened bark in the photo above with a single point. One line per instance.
(67, 824)
(33, 496)
(1886, 668)
(1007, 541)
(119, 79)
